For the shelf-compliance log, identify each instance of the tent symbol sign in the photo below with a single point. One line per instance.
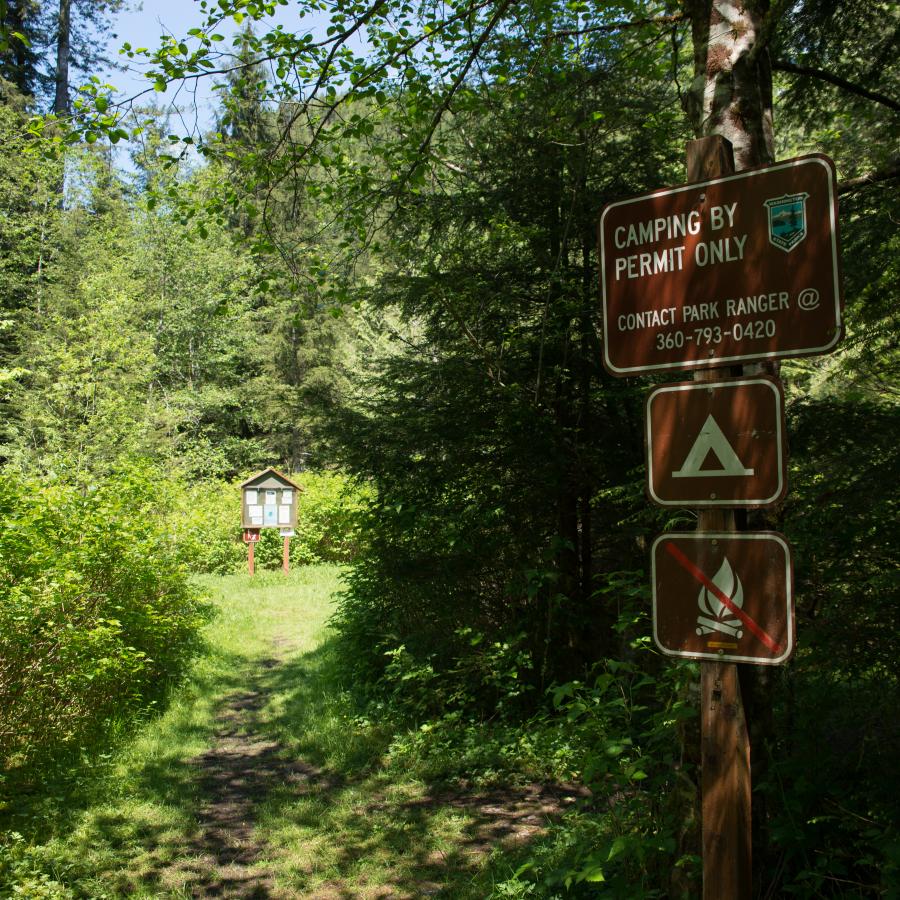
(711, 440)
(716, 443)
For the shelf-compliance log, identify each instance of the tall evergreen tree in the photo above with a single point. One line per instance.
(78, 32)
(43, 42)
(21, 36)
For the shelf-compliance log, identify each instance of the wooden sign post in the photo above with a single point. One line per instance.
(730, 268)
(251, 538)
(724, 742)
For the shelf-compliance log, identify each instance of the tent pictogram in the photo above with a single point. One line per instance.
(711, 440)
(716, 443)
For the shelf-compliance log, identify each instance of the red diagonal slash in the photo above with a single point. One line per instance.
(688, 566)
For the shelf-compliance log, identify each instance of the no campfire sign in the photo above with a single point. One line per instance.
(717, 443)
(723, 595)
(743, 267)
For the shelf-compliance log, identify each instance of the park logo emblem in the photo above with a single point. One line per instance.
(787, 220)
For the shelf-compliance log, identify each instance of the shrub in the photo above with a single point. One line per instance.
(97, 615)
(328, 518)
(205, 518)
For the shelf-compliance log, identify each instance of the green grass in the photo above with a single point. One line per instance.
(358, 823)
(112, 827)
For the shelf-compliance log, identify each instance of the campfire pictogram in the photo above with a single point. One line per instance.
(714, 615)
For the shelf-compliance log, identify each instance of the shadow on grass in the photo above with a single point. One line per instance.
(292, 797)
(376, 831)
(102, 814)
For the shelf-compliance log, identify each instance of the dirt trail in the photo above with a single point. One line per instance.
(226, 859)
(235, 774)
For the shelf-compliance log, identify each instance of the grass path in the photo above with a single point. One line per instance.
(259, 782)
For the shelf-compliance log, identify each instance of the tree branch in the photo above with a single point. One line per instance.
(885, 173)
(618, 26)
(457, 82)
(783, 65)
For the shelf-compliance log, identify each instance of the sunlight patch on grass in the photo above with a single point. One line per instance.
(367, 835)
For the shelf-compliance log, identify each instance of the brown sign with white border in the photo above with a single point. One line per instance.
(718, 443)
(739, 268)
(723, 595)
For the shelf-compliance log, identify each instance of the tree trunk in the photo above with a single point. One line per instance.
(15, 21)
(732, 90)
(63, 47)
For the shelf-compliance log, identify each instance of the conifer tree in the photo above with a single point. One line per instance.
(21, 34)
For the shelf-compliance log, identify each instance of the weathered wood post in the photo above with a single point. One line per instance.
(724, 742)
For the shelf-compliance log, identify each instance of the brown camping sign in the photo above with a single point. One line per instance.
(723, 595)
(717, 443)
(743, 267)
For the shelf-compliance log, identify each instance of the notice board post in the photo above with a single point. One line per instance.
(251, 537)
(724, 742)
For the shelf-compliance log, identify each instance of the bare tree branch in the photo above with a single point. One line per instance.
(783, 65)
(457, 82)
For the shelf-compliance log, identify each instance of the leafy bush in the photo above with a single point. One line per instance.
(638, 837)
(620, 732)
(206, 518)
(833, 825)
(328, 518)
(487, 676)
(97, 615)
(23, 871)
